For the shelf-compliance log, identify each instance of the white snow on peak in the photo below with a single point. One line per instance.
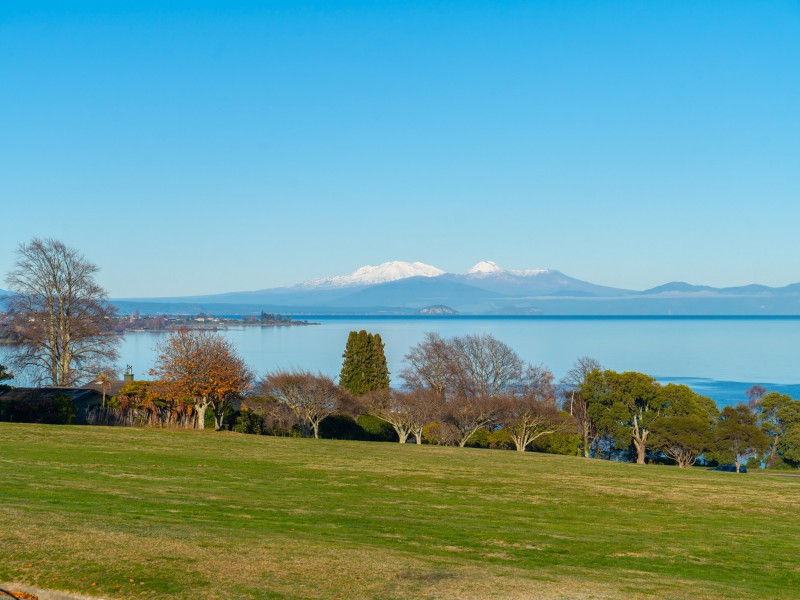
(488, 267)
(369, 274)
(485, 267)
(530, 272)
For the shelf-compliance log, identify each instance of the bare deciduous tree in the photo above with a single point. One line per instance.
(571, 383)
(482, 366)
(441, 433)
(529, 411)
(390, 406)
(278, 419)
(429, 365)
(424, 406)
(467, 414)
(311, 397)
(575, 403)
(468, 373)
(60, 322)
(407, 412)
(754, 395)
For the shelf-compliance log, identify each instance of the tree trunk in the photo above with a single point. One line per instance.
(315, 429)
(402, 436)
(586, 445)
(418, 436)
(200, 409)
(773, 451)
(640, 450)
(684, 459)
(641, 446)
(218, 416)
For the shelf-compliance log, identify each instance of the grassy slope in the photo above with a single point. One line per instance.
(205, 515)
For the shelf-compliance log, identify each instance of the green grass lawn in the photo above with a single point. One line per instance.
(154, 514)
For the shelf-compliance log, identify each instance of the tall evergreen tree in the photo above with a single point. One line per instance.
(353, 369)
(379, 368)
(364, 368)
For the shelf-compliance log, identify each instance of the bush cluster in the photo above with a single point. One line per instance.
(57, 409)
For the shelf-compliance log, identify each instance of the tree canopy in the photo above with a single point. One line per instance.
(779, 417)
(364, 367)
(738, 434)
(202, 369)
(311, 397)
(60, 323)
(624, 406)
(684, 431)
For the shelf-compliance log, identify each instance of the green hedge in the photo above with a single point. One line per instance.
(57, 409)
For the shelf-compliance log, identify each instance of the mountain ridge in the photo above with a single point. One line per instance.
(383, 273)
(398, 287)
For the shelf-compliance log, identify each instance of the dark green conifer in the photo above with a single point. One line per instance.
(379, 370)
(364, 367)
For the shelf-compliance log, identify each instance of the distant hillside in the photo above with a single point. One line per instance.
(486, 289)
(539, 282)
(127, 307)
(418, 292)
(677, 287)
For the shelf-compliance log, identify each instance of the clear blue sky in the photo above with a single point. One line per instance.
(193, 147)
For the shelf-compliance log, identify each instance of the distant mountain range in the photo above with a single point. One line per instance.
(405, 288)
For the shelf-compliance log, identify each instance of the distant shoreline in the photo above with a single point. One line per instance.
(467, 317)
(222, 327)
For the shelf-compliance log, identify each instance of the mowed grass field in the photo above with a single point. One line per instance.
(134, 513)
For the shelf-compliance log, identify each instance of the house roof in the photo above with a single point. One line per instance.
(112, 389)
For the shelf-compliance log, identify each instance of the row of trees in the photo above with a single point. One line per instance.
(629, 414)
(60, 326)
(477, 382)
(483, 385)
(455, 388)
(466, 384)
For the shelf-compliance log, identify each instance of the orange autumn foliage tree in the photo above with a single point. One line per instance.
(202, 369)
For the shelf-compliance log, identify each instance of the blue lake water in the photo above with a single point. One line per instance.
(719, 357)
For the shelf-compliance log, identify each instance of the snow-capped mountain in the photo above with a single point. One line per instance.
(399, 287)
(370, 275)
(488, 267)
(485, 267)
(488, 275)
